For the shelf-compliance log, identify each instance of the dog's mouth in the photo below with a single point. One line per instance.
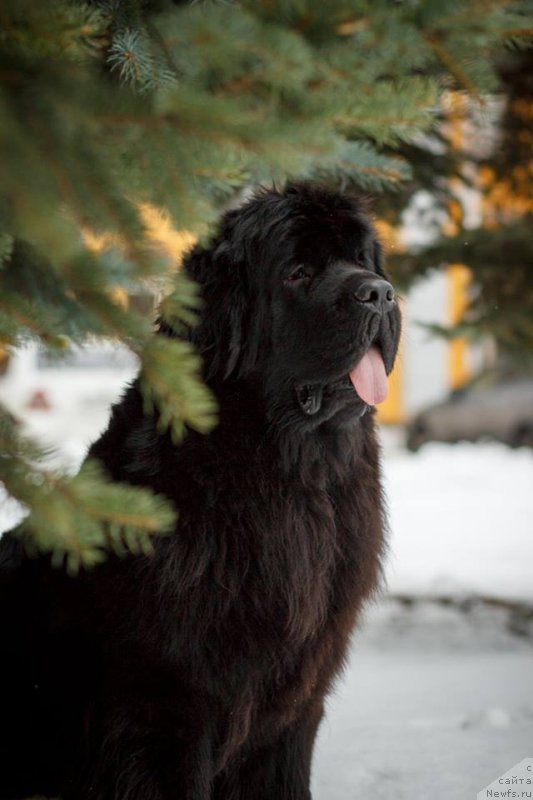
(309, 397)
(368, 379)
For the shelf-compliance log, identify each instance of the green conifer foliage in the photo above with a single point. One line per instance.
(499, 251)
(108, 104)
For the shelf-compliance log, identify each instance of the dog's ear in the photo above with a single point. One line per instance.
(228, 262)
(218, 270)
(234, 333)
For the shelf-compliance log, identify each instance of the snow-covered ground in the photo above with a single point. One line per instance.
(437, 700)
(461, 520)
(435, 704)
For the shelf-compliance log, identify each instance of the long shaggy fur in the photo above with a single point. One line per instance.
(200, 673)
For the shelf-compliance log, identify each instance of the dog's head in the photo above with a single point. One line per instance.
(296, 299)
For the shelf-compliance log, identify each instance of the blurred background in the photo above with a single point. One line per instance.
(127, 131)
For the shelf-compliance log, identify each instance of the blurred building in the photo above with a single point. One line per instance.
(429, 366)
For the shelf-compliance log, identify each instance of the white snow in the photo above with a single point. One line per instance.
(434, 705)
(461, 521)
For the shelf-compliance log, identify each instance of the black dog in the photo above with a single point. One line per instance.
(200, 673)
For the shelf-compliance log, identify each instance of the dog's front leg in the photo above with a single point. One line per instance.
(280, 771)
(148, 752)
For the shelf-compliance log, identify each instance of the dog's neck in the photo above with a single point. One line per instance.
(317, 456)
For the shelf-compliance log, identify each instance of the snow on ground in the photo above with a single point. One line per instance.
(436, 702)
(461, 521)
(434, 705)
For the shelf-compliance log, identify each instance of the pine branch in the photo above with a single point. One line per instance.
(501, 299)
(391, 112)
(453, 66)
(64, 30)
(78, 518)
(360, 163)
(179, 308)
(170, 382)
(131, 55)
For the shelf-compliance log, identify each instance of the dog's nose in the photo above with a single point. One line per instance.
(376, 293)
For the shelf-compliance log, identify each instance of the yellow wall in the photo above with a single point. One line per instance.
(458, 283)
(392, 411)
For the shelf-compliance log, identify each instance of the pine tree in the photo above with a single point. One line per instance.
(490, 160)
(112, 111)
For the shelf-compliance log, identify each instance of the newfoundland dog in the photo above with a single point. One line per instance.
(200, 672)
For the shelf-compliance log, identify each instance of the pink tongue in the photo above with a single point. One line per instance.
(369, 378)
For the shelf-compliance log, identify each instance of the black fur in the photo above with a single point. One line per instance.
(200, 673)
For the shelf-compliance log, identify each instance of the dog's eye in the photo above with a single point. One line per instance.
(299, 274)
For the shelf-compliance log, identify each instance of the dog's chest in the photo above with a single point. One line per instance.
(297, 551)
(312, 562)
(263, 563)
